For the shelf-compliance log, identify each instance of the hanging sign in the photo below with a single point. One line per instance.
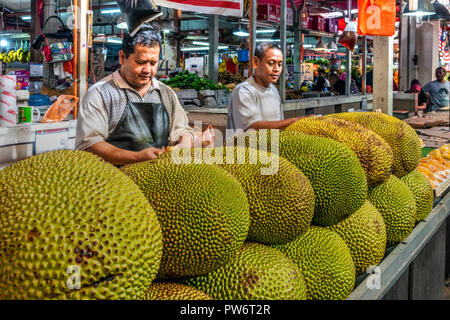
(217, 7)
(307, 71)
(376, 17)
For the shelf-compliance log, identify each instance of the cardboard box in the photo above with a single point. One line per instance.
(332, 25)
(268, 12)
(319, 23)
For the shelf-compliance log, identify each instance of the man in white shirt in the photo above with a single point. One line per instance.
(256, 103)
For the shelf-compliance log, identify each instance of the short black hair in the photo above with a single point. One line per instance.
(261, 49)
(146, 36)
(441, 67)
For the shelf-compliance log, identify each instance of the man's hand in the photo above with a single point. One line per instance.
(149, 154)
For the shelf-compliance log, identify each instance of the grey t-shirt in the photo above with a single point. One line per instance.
(251, 102)
(439, 93)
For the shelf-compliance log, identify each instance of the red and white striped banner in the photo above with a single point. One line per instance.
(218, 7)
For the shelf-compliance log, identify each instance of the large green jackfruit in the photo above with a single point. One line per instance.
(422, 192)
(202, 209)
(364, 232)
(281, 198)
(174, 291)
(74, 227)
(373, 152)
(396, 203)
(325, 262)
(401, 137)
(338, 180)
(258, 272)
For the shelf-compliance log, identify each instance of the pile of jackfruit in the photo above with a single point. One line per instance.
(290, 215)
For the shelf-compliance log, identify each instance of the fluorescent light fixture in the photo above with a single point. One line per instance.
(268, 40)
(201, 43)
(113, 40)
(105, 11)
(166, 30)
(122, 25)
(3, 43)
(307, 45)
(241, 33)
(25, 17)
(265, 31)
(202, 48)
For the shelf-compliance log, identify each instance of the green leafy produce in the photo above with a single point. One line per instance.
(187, 80)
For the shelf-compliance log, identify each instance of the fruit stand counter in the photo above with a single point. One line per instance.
(21, 141)
(415, 269)
(217, 116)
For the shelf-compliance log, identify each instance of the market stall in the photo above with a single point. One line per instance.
(326, 175)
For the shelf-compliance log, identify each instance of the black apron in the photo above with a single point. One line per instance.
(142, 125)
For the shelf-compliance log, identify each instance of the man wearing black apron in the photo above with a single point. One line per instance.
(130, 116)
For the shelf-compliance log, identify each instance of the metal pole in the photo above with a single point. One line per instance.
(252, 34)
(282, 88)
(364, 65)
(348, 69)
(297, 46)
(213, 55)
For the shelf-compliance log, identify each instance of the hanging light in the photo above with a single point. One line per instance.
(418, 8)
(321, 45)
(332, 46)
(242, 32)
(121, 23)
(441, 12)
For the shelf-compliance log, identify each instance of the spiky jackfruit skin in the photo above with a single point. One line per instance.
(396, 203)
(258, 272)
(174, 291)
(325, 262)
(422, 192)
(338, 180)
(373, 152)
(67, 216)
(401, 137)
(280, 197)
(364, 232)
(203, 212)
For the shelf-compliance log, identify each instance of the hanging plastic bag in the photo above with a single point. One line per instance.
(59, 110)
(376, 17)
(349, 37)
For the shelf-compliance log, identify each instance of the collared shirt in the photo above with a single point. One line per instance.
(251, 102)
(439, 93)
(104, 103)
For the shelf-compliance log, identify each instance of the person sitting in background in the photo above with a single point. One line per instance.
(320, 83)
(416, 88)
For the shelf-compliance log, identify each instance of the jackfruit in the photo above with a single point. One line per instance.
(174, 291)
(281, 198)
(364, 232)
(202, 209)
(396, 203)
(373, 152)
(325, 262)
(422, 192)
(338, 180)
(258, 272)
(74, 227)
(401, 137)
